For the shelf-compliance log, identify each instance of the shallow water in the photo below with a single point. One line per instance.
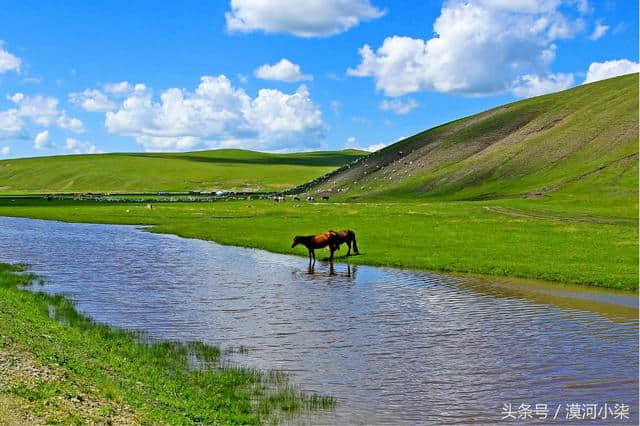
(393, 346)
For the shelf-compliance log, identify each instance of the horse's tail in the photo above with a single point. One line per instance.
(355, 245)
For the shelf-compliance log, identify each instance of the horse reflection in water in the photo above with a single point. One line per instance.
(348, 272)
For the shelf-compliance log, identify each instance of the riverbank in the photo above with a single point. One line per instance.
(590, 244)
(57, 366)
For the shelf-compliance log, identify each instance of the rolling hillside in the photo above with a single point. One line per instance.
(150, 172)
(576, 144)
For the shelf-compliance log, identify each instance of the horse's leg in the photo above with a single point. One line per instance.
(349, 245)
(313, 253)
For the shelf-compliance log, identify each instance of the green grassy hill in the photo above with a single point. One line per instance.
(579, 145)
(150, 172)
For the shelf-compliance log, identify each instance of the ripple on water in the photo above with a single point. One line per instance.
(393, 346)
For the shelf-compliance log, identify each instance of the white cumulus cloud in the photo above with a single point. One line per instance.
(607, 69)
(353, 144)
(5, 150)
(599, 31)
(8, 61)
(535, 85)
(480, 47)
(309, 18)
(43, 111)
(284, 70)
(398, 106)
(120, 88)
(70, 123)
(11, 125)
(41, 140)
(375, 147)
(92, 100)
(40, 110)
(216, 114)
(80, 147)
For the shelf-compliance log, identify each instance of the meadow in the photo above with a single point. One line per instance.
(59, 367)
(581, 243)
(223, 169)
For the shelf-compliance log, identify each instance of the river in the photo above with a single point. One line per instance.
(393, 346)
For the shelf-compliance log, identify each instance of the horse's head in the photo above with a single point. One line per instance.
(296, 241)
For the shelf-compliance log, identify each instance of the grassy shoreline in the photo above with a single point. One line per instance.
(499, 237)
(58, 366)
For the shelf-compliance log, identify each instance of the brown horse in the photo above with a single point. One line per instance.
(312, 242)
(348, 237)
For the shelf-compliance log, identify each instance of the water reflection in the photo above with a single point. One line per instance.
(393, 346)
(330, 270)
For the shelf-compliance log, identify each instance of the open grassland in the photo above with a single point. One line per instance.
(524, 238)
(58, 367)
(228, 169)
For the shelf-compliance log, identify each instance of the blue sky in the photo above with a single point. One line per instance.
(80, 77)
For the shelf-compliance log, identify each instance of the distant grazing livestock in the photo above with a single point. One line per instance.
(278, 198)
(312, 242)
(296, 198)
(325, 197)
(310, 199)
(348, 237)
